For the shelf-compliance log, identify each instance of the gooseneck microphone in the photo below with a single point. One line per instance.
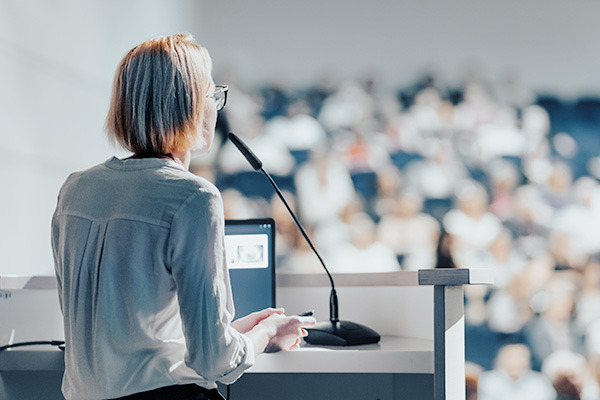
(258, 166)
(333, 332)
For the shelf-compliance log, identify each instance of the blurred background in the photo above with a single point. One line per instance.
(407, 135)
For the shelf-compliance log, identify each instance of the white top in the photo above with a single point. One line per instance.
(321, 200)
(301, 132)
(472, 232)
(376, 257)
(531, 385)
(142, 279)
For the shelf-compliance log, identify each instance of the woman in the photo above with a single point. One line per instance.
(138, 246)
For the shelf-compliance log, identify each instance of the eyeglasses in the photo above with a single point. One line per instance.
(220, 96)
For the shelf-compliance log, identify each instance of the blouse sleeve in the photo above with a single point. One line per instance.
(196, 255)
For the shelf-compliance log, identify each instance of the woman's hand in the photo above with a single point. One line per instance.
(273, 331)
(245, 324)
(289, 331)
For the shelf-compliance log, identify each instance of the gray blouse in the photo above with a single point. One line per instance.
(143, 285)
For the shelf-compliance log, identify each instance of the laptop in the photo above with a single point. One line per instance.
(250, 248)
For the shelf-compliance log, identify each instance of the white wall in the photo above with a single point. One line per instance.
(553, 43)
(57, 60)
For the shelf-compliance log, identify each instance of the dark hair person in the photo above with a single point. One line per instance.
(139, 248)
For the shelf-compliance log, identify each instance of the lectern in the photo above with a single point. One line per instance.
(419, 314)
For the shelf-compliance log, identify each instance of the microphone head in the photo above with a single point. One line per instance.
(245, 150)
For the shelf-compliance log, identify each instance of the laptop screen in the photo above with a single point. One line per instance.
(250, 247)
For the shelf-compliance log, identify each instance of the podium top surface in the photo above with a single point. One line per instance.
(424, 277)
(391, 355)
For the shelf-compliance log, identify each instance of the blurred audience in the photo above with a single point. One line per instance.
(364, 252)
(472, 373)
(472, 226)
(271, 150)
(513, 379)
(298, 130)
(571, 376)
(324, 188)
(433, 176)
(554, 329)
(409, 232)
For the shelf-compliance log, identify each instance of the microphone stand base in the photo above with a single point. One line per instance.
(341, 333)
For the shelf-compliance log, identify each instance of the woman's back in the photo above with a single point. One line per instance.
(115, 250)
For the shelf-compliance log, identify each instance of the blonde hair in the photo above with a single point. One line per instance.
(157, 104)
